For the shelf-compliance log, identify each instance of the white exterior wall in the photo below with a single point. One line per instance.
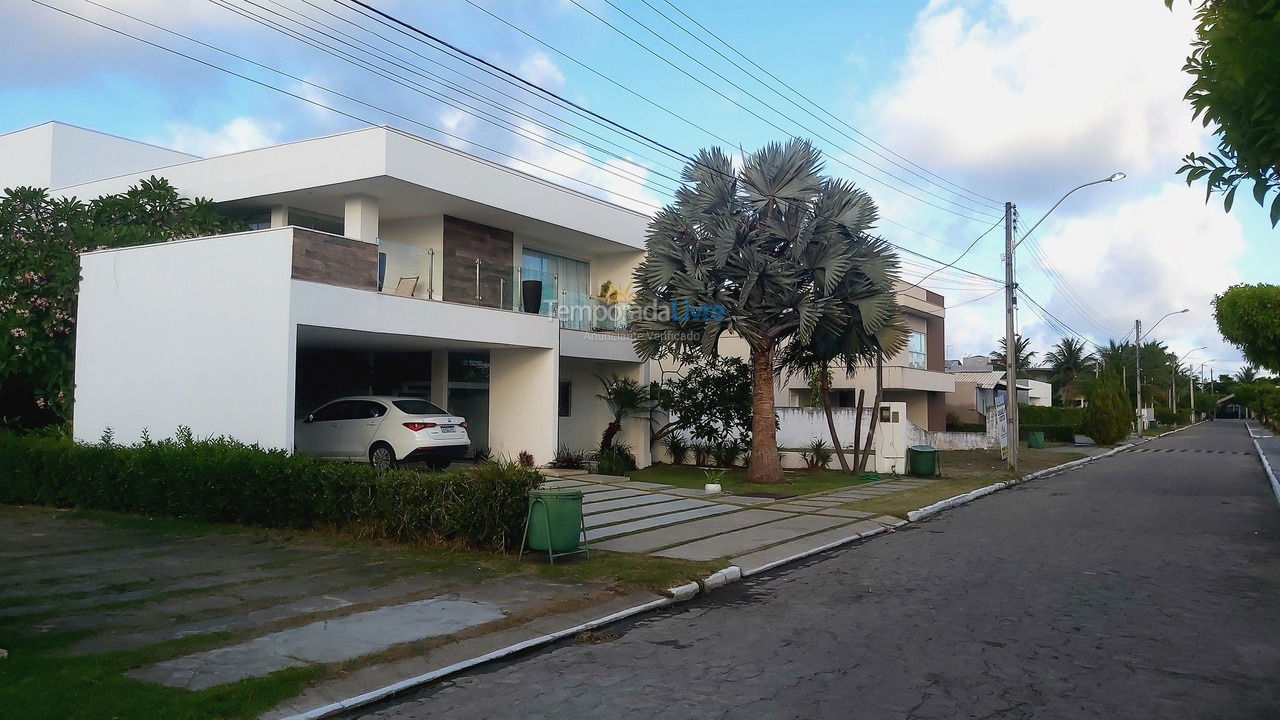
(193, 333)
(523, 387)
(55, 155)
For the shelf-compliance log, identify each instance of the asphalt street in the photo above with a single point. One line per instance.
(1145, 585)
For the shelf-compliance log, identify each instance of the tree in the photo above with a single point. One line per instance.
(1235, 63)
(626, 398)
(710, 401)
(759, 252)
(1108, 416)
(1115, 355)
(40, 238)
(1249, 317)
(1024, 357)
(1068, 359)
(1247, 374)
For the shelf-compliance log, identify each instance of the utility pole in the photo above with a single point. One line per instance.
(1010, 340)
(1192, 379)
(1137, 365)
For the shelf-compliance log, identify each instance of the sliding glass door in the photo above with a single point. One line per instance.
(566, 288)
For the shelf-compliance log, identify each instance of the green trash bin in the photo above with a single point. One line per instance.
(1035, 439)
(554, 523)
(922, 460)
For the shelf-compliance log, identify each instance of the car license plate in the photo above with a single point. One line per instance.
(447, 428)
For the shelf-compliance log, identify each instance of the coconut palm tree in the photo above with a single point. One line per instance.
(1247, 374)
(1069, 358)
(774, 253)
(1024, 356)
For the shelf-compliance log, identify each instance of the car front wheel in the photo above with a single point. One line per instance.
(382, 457)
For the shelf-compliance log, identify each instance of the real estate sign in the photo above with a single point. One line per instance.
(1002, 426)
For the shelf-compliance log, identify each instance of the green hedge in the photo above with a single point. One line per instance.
(1040, 415)
(1054, 433)
(226, 481)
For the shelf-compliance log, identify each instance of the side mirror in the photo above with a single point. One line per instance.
(309, 419)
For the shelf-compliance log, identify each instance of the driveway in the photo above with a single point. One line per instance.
(1144, 585)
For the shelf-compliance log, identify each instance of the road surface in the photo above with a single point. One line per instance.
(1146, 585)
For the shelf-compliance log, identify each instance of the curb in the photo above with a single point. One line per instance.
(680, 593)
(814, 551)
(1266, 466)
(957, 500)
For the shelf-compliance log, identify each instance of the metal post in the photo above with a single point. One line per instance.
(477, 281)
(1010, 340)
(1192, 379)
(502, 291)
(431, 273)
(1137, 366)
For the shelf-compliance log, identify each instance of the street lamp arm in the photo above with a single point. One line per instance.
(1113, 178)
(1153, 327)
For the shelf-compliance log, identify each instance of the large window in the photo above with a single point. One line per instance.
(916, 356)
(565, 286)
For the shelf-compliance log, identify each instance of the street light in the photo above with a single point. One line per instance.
(1174, 383)
(1137, 357)
(1010, 318)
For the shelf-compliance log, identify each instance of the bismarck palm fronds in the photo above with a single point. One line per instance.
(774, 253)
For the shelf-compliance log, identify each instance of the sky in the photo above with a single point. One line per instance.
(942, 110)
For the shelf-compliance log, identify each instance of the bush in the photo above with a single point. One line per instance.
(616, 459)
(1054, 433)
(1169, 417)
(966, 427)
(677, 448)
(525, 459)
(569, 459)
(701, 452)
(225, 481)
(818, 455)
(1040, 415)
(726, 454)
(1108, 418)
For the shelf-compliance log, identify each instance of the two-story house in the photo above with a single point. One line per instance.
(376, 262)
(915, 376)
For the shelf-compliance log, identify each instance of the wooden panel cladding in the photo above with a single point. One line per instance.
(332, 260)
(464, 243)
(935, 338)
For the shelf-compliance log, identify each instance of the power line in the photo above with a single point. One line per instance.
(748, 110)
(784, 96)
(319, 104)
(961, 256)
(977, 299)
(557, 146)
(1059, 281)
(802, 96)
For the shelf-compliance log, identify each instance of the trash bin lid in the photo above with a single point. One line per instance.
(924, 448)
(565, 493)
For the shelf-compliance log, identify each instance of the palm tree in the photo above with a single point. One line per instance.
(1024, 355)
(1068, 359)
(626, 398)
(1115, 355)
(775, 253)
(1247, 374)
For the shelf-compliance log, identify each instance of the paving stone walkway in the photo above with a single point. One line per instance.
(752, 532)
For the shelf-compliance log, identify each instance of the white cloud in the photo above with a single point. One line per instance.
(616, 180)
(539, 68)
(1029, 96)
(242, 133)
(1147, 257)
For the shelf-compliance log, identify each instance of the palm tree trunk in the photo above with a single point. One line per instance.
(825, 388)
(875, 413)
(857, 427)
(766, 465)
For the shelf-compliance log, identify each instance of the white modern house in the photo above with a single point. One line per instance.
(376, 262)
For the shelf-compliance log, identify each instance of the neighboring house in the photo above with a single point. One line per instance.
(914, 376)
(377, 263)
(975, 394)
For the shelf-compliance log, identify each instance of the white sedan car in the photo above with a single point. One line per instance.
(383, 431)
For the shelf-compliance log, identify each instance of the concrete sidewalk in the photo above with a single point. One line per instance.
(752, 532)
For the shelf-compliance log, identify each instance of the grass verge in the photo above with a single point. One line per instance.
(962, 471)
(799, 482)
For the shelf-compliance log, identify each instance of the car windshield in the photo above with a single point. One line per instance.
(418, 407)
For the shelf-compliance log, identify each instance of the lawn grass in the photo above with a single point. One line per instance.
(962, 471)
(39, 682)
(799, 482)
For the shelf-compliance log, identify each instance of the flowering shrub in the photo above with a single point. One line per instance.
(40, 239)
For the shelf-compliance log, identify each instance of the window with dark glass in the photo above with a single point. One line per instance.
(566, 398)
